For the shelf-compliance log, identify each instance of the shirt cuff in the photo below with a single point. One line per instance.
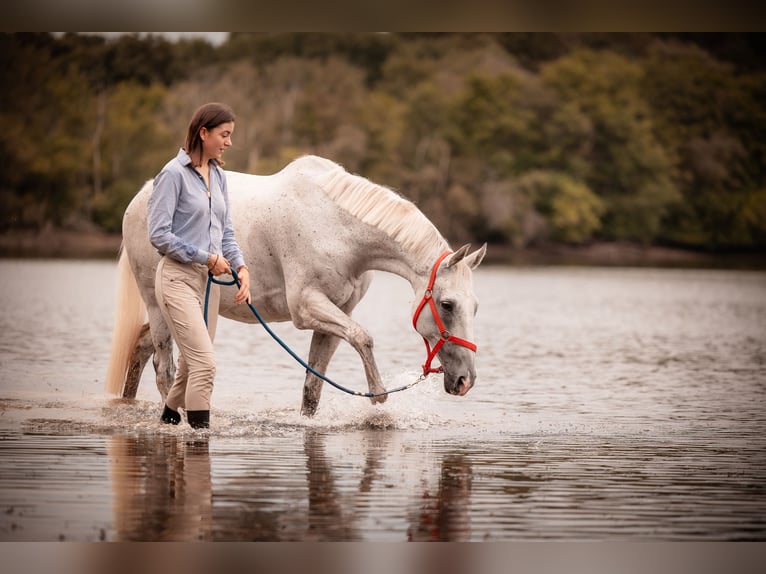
(202, 257)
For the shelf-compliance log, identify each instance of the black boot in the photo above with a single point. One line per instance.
(169, 416)
(198, 419)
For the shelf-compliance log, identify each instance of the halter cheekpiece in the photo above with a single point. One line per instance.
(446, 336)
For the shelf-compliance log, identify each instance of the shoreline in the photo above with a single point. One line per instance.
(68, 244)
(605, 254)
(60, 244)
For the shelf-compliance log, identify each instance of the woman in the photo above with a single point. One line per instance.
(190, 225)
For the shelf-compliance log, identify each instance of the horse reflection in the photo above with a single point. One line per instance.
(446, 516)
(332, 516)
(163, 492)
(162, 488)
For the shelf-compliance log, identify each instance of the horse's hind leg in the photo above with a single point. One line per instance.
(164, 367)
(322, 349)
(138, 359)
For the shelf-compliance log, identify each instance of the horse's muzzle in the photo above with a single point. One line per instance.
(460, 386)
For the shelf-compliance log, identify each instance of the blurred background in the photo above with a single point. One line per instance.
(523, 140)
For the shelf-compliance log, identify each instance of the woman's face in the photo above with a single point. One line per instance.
(215, 140)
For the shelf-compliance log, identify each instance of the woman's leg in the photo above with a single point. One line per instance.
(180, 292)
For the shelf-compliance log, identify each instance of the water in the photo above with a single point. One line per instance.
(611, 404)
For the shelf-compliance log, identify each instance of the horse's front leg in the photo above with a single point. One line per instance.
(322, 349)
(313, 310)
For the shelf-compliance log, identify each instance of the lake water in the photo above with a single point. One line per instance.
(611, 404)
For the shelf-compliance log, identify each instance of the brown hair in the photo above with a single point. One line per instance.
(207, 116)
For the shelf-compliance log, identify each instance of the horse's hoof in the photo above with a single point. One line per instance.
(309, 407)
(380, 399)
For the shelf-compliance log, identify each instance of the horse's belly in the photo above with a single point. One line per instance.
(270, 310)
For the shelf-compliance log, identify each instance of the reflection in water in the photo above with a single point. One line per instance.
(381, 486)
(162, 488)
(445, 517)
(327, 518)
(278, 489)
(162, 491)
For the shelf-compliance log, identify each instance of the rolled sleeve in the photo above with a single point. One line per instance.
(161, 210)
(189, 220)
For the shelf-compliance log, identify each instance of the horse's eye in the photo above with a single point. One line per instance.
(447, 306)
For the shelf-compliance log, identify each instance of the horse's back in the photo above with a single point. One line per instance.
(296, 178)
(288, 210)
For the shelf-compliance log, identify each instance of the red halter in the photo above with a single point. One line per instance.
(445, 335)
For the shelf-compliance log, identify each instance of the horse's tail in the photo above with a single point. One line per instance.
(129, 318)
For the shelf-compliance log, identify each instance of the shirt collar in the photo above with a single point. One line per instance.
(186, 161)
(183, 157)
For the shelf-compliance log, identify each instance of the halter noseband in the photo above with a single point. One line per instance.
(445, 335)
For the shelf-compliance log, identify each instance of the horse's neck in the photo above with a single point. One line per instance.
(409, 236)
(414, 267)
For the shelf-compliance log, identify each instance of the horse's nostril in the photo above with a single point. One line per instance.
(463, 384)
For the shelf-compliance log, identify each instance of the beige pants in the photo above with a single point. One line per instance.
(180, 290)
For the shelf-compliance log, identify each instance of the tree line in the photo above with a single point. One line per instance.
(517, 138)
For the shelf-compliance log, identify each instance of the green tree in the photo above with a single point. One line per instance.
(572, 211)
(364, 51)
(713, 121)
(135, 147)
(630, 170)
(47, 126)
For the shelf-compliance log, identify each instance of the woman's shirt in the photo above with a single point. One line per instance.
(186, 224)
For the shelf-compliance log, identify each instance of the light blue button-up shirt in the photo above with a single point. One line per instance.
(186, 224)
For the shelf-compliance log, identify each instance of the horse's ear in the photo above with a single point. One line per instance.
(476, 257)
(458, 255)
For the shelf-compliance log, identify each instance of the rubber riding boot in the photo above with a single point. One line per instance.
(169, 416)
(198, 419)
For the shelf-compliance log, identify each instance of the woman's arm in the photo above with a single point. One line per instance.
(161, 210)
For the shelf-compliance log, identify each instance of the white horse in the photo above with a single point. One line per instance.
(311, 235)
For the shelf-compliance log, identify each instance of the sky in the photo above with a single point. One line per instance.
(215, 38)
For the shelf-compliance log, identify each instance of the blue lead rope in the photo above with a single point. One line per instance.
(235, 281)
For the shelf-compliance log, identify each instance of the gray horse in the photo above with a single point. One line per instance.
(312, 234)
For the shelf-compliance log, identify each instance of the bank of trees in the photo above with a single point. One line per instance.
(511, 138)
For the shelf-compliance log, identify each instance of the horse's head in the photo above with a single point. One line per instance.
(444, 316)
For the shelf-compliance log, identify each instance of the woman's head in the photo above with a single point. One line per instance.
(207, 121)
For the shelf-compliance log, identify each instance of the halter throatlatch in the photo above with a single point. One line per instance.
(446, 336)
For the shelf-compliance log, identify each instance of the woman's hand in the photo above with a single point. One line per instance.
(244, 290)
(218, 265)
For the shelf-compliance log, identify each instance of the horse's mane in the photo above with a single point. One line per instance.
(380, 207)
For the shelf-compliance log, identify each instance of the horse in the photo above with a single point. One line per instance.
(312, 235)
